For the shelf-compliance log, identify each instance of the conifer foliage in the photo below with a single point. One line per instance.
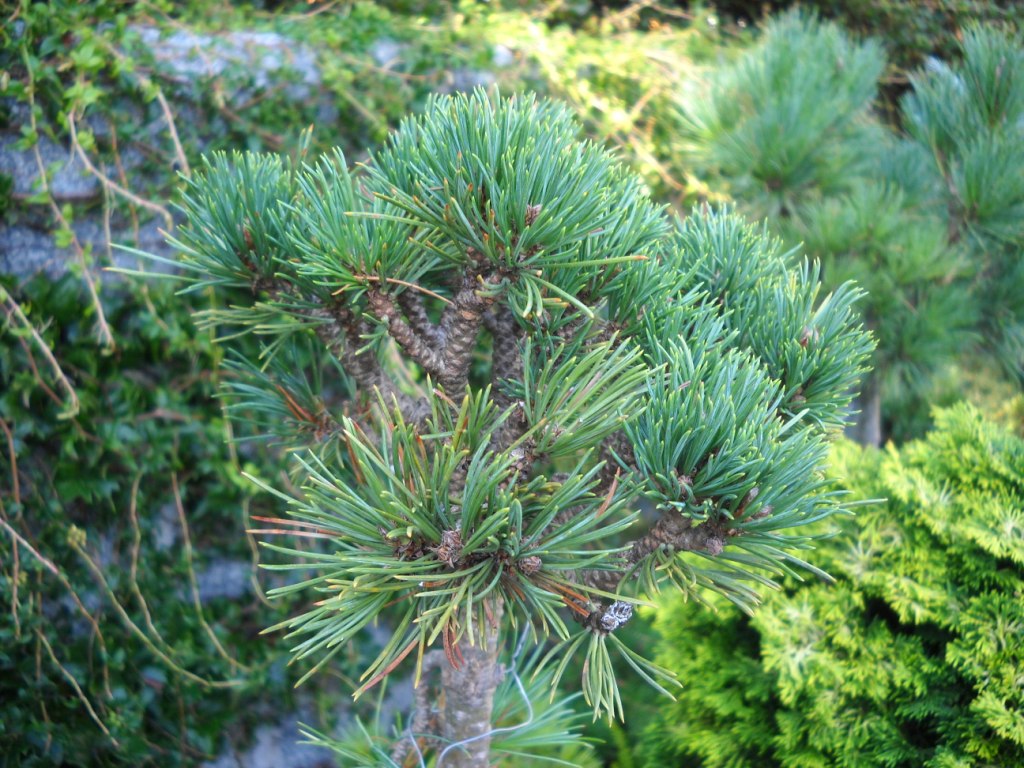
(928, 222)
(913, 658)
(968, 122)
(485, 347)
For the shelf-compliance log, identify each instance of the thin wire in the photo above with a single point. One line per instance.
(415, 743)
(522, 692)
(412, 738)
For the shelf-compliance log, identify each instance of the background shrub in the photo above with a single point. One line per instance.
(912, 658)
(130, 632)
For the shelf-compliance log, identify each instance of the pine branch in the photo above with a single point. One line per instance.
(460, 325)
(507, 365)
(338, 328)
(341, 331)
(507, 353)
(616, 451)
(412, 305)
(673, 531)
(385, 308)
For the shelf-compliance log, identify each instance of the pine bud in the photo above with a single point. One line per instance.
(614, 616)
(809, 335)
(532, 212)
(530, 565)
(449, 551)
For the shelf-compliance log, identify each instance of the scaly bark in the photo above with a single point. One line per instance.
(673, 531)
(460, 325)
(339, 329)
(469, 699)
(507, 365)
(422, 352)
(411, 303)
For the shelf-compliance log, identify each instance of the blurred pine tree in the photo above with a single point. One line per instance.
(929, 223)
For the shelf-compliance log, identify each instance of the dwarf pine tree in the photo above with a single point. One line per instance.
(927, 223)
(487, 348)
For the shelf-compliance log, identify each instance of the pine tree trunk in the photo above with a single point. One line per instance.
(469, 699)
(868, 429)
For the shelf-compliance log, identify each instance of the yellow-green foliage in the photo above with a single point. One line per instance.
(914, 656)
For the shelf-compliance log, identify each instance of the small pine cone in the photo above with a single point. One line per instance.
(614, 616)
(530, 565)
(449, 551)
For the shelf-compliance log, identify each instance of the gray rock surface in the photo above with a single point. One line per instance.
(277, 745)
(266, 58)
(26, 251)
(249, 61)
(458, 80)
(225, 578)
(386, 52)
(503, 56)
(166, 528)
(70, 181)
